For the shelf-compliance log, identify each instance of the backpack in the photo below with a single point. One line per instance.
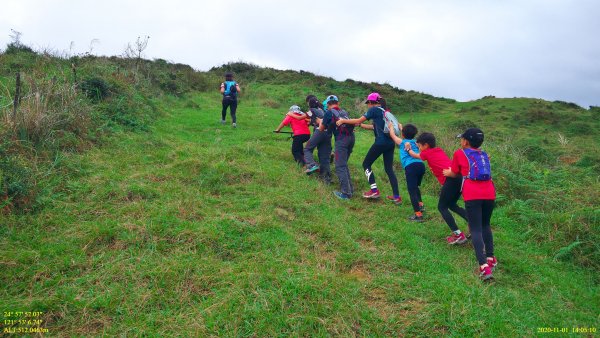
(387, 118)
(479, 165)
(230, 88)
(342, 115)
(314, 114)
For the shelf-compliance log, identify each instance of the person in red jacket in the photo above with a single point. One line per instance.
(300, 130)
(479, 194)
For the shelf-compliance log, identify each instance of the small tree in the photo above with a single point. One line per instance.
(15, 45)
(15, 37)
(136, 51)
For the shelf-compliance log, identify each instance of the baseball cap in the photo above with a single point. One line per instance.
(295, 109)
(330, 98)
(472, 134)
(374, 97)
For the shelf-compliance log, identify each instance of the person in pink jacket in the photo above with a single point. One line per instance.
(301, 132)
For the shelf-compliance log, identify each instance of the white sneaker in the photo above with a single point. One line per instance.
(222, 121)
(234, 125)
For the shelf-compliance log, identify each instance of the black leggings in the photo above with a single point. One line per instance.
(414, 175)
(448, 197)
(373, 154)
(479, 213)
(228, 101)
(298, 147)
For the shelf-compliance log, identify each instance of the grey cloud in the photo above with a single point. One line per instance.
(460, 49)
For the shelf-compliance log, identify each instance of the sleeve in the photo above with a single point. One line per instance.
(287, 120)
(222, 85)
(414, 147)
(456, 166)
(327, 118)
(369, 114)
(424, 155)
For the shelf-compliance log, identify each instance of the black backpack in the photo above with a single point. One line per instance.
(342, 115)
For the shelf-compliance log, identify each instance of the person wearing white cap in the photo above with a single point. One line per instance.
(300, 130)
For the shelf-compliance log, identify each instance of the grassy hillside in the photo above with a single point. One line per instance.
(189, 227)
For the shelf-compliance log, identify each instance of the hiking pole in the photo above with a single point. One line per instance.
(284, 132)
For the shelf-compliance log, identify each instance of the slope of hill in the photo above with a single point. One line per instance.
(189, 227)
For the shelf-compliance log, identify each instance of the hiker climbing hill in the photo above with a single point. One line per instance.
(230, 90)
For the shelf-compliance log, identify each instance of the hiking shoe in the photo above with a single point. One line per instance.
(396, 201)
(312, 169)
(492, 262)
(234, 125)
(485, 272)
(415, 218)
(341, 195)
(371, 194)
(222, 121)
(456, 239)
(422, 208)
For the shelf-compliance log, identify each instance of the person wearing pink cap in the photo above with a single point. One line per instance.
(383, 145)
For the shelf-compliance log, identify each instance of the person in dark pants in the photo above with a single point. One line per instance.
(383, 145)
(479, 194)
(319, 139)
(344, 143)
(414, 169)
(437, 160)
(300, 130)
(230, 90)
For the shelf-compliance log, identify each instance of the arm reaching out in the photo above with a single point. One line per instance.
(352, 121)
(396, 139)
(297, 117)
(409, 150)
(449, 173)
(279, 127)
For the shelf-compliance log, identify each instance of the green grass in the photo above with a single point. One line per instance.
(196, 229)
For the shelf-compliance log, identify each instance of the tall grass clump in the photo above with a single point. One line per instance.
(67, 104)
(543, 198)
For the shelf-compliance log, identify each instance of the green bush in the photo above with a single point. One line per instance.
(16, 48)
(461, 125)
(16, 180)
(95, 89)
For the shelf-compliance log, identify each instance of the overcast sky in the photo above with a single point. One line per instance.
(461, 49)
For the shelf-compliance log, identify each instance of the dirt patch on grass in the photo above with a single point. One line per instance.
(325, 258)
(285, 214)
(367, 244)
(360, 272)
(405, 312)
(188, 213)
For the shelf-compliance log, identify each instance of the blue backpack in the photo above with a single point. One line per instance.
(230, 88)
(479, 165)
